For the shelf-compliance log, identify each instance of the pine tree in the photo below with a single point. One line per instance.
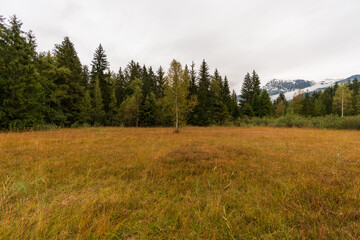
(160, 83)
(280, 109)
(234, 109)
(113, 109)
(99, 71)
(48, 73)
(98, 109)
(21, 93)
(66, 57)
(265, 106)
(250, 93)
(130, 107)
(296, 103)
(319, 107)
(307, 105)
(280, 98)
(255, 83)
(225, 91)
(193, 93)
(327, 99)
(148, 110)
(120, 85)
(146, 82)
(132, 71)
(85, 77)
(203, 108)
(219, 110)
(86, 109)
(255, 101)
(247, 91)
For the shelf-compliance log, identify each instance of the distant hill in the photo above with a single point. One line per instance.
(290, 87)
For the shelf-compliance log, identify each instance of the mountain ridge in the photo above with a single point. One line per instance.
(291, 87)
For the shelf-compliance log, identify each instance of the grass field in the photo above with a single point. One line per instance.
(204, 183)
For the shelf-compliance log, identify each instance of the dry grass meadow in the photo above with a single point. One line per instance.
(204, 183)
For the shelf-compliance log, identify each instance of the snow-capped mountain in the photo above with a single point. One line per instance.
(291, 87)
(277, 86)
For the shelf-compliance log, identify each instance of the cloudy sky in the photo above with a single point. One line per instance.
(283, 39)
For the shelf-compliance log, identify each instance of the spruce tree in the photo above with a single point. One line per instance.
(132, 71)
(246, 91)
(148, 111)
(66, 57)
(113, 108)
(120, 85)
(130, 107)
(296, 103)
(21, 93)
(307, 105)
(225, 92)
(193, 91)
(160, 83)
(98, 109)
(86, 109)
(235, 109)
(85, 77)
(203, 108)
(100, 71)
(255, 83)
(265, 106)
(48, 73)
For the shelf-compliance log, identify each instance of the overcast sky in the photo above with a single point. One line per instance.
(283, 39)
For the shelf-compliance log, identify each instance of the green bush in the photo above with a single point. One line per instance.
(293, 120)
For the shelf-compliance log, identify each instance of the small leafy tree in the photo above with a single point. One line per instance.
(342, 102)
(177, 83)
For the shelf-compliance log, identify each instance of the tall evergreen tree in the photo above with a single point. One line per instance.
(307, 105)
(86, 108)
(235, 109)
(148, 111)
(203, 108)
(160, 83)
(130, 107)
(225, 92)
(49, 73)
(255, 83)
(132, 71)
(246, 91)
(21, 93)
(296, 104)
(100, 72)
(98, 109)
(193, 91)
(265, 106)
(66, 57)
(85, 77)
(120, 85)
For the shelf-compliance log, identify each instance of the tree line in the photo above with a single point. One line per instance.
(341, 99)
(54, 88)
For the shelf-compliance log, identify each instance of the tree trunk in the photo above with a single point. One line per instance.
(342, 102)
(177, 115)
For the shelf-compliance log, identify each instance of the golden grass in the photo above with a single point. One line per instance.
(204, 183)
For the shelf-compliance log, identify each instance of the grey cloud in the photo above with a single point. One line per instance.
(280, 39)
